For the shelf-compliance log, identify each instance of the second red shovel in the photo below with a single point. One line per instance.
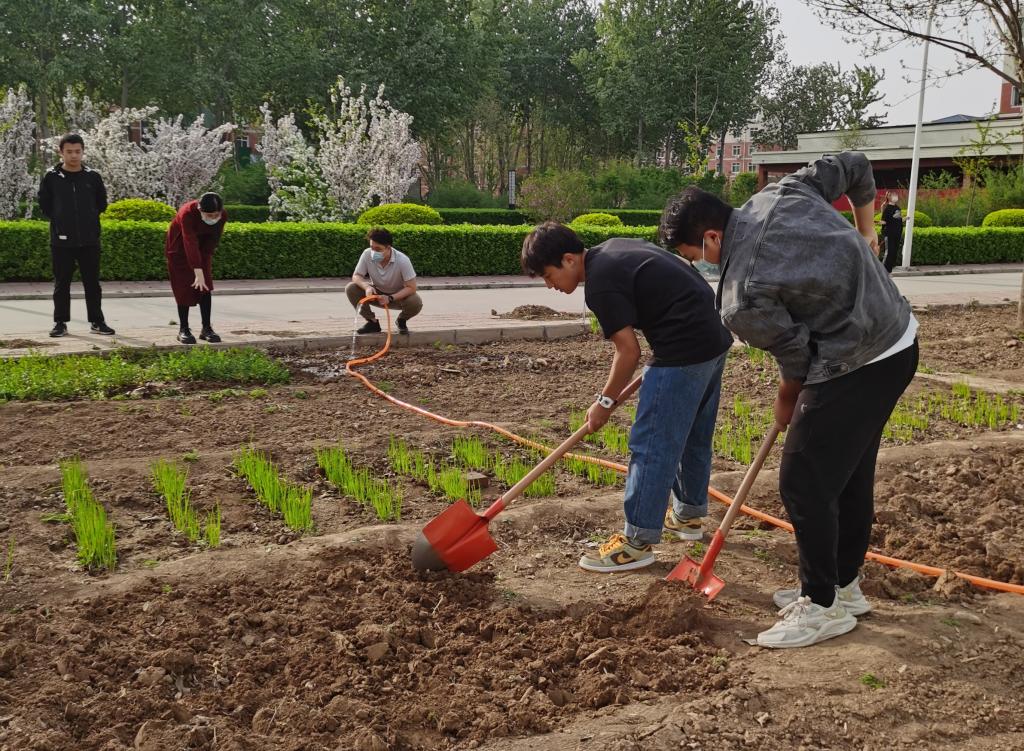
(701, 575)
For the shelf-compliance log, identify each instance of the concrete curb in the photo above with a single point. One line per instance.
(549, 331)
(291, 287)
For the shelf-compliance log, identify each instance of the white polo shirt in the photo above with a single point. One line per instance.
(387, 280)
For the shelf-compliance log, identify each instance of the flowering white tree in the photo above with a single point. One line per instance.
(366, 154)
(185, 160)
(17, 124)
(297, 187)
(81, 113)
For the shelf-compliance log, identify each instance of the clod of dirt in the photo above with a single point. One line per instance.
(669, 609)
(536, 312)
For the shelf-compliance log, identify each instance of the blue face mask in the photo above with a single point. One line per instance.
(704, 266)
(376, 256)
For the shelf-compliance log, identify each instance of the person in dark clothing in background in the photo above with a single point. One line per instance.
(191, 240)
(892, 229)
(72, 197)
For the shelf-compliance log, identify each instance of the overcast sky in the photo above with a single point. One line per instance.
(809, 41)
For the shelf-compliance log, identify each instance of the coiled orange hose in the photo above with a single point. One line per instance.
(920, 568)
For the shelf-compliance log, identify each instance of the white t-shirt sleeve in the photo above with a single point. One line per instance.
(363, 264)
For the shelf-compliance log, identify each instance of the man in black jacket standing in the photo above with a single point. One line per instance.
(72, 197)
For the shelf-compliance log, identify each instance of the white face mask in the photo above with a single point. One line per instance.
(704, 266)
(211, 222)
(376, 256)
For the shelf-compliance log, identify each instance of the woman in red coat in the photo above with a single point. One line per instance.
(191, 239)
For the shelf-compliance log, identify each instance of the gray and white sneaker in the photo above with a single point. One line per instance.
(804, 623)
(850, 597)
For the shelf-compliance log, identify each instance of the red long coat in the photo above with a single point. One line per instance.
(189, 246)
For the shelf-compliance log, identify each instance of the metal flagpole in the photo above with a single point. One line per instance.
(915, 164)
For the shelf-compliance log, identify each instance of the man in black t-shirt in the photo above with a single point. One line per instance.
(630, 285)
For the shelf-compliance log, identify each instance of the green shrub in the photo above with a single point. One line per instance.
(742, 187)
(945, 245)
(400, 213)
(239, 212)
(596, 219)
(1004, 218)
(139, 210)
(484, 216)
(244, 185)
(463, 194)
(621, 185)
(555, 196)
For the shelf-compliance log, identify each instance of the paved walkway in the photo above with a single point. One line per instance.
(303, 313)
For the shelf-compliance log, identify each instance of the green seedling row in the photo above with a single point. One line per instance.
(358, 483)
(169, 480)
(611, 436)
(293, 502)
(471, 452)
(94, 534)
(594, 473)
(738, 432)
(961, 405)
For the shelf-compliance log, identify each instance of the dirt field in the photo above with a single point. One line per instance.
(330, 641)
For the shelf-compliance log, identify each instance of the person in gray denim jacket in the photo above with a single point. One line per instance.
(798, 281)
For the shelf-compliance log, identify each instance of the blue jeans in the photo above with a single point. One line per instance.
(670, 446)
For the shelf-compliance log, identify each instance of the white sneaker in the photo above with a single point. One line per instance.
(804, 623)
(850, 597)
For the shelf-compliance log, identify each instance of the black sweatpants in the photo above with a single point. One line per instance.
(827, 476)
(88, 260)
(205, 306)
(893, 248)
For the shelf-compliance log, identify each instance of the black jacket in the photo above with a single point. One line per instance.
(892, 217)
(73, 202)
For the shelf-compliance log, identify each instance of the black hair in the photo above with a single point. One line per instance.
(380, 235)
(71, 138)
(546, 245)
(690, 214)
(210, 203)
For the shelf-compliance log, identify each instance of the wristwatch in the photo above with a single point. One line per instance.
(605, 401)
(391, 299)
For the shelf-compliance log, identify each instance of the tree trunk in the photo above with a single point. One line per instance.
(639, 141)
(124, 87)
(721, 153)
(529, 144)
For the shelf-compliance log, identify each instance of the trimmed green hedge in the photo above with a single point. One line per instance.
(400, 213)
(135, 250)
(139, 210)
(1004, 218)
(629, 217)
(596, 219)
(506, 217)
(245, 213)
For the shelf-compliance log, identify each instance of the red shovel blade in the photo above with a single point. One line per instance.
(455, 539)
(688, 570)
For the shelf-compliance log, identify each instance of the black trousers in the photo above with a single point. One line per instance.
(88, 260)
(827, 476)
(893, 248)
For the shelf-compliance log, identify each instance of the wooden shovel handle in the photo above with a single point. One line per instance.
(554, 456)
(748, 479)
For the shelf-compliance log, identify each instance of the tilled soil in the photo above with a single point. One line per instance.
(332, 642)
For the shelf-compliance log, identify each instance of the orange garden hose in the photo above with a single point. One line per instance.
(920, 568)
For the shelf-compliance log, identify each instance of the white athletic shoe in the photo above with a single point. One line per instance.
(850, 597)
(804, 623)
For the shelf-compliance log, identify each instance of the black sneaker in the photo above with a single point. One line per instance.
(185, 337)
(370, 327)
(208, 335)
(403, 325)
(100, 327)
(59, 329)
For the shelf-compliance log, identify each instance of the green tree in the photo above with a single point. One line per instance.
(812, 98)
(695, 61)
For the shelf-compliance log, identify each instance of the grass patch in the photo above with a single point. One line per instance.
(37, 376)
(293, 502)
(94, 535)
(739, 432)
(872, 681)
(442, 478)
(594, 473)
(169, 481)
(383, 498)
(471, 452)
(961, 405)
(611, 436)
